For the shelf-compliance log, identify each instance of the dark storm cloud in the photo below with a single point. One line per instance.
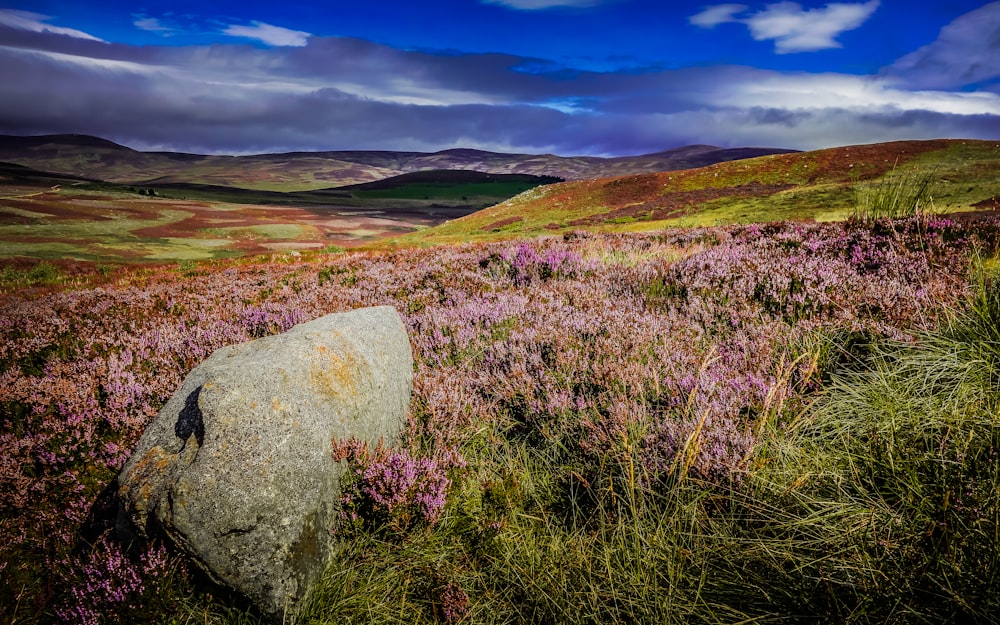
(342, 93)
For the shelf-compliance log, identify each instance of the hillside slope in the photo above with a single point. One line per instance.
(818, 185)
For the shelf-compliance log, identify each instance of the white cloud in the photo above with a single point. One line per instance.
(271, 35)
(967, 51)
(792, 28)
(717, 14)
(35, 22)
(95, 64)
(818, 92)
(151, 24)
(535, 5)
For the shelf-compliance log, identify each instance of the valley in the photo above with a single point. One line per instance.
(75, 198)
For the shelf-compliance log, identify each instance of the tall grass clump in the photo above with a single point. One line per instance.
(897, 195)
(883, 503)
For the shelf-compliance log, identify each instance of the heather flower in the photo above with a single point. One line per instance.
(453, 603)
(105, 586)
(391, 486)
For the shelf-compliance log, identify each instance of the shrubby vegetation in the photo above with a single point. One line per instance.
(771, 423)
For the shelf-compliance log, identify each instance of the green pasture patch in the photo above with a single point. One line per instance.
(287, 186)
(262, 231)
(87, 229)
(363, 233)
(183, 247)
(47, 250)
(964, 156)
(102, 189)
(43, 273)
(793, 204)
(294, 246)
(226, 207)
(173, 248)
(166, 248)
(21, 212)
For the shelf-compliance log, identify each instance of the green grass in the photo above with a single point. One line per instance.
(896, 195)
(832, 202)
(264, 231)
(902, 449)
(42, 274)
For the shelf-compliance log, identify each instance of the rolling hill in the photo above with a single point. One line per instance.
(92, 157)
(818, 185)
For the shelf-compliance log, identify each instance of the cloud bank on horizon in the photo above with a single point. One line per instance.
(264, 87)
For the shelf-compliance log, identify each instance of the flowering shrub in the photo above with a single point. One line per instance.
(389, 487)
(258, 321)
(667, 350)
(104, 588)
(524, 265)
(453, 603)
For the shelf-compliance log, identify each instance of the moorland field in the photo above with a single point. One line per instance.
(762, 391)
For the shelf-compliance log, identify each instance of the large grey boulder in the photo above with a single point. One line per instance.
(237, 468)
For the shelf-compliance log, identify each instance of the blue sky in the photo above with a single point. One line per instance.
(602, 77)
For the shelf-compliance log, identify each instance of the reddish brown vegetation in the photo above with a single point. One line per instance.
(503, 222)
(680, 203)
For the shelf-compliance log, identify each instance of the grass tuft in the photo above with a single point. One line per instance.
(896, 195)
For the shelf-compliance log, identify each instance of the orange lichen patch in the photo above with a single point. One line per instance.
(336, 374)
(155, 462)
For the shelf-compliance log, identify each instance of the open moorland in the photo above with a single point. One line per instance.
(55, 217)
(73, 198)
(791, 421)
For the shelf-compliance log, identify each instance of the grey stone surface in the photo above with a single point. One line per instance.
(237, 468)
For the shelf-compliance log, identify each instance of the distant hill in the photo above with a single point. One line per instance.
(448, 177)
(93, 157)
(14, 173)
(461, 191)
(816, 185)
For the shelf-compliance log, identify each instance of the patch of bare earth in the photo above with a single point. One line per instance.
(991, 204)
